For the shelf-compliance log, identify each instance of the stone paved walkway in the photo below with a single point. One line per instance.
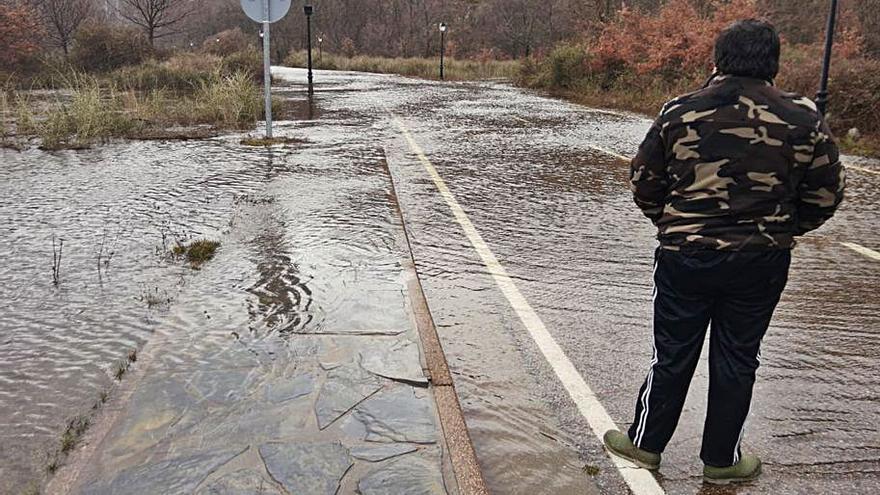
(291, 363)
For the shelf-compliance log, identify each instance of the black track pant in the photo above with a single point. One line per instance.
(735, 291)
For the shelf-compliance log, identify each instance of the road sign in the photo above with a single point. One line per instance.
(256, 9)
(266, 12)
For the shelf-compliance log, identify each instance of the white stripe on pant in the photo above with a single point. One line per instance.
(646, 396)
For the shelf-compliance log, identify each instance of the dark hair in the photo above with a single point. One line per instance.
(748, 48)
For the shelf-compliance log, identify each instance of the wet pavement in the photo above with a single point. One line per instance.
(295, 368)
(290, 363)
(244, 369)
(536, 178)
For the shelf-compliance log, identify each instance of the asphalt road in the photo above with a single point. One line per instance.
(536, 267)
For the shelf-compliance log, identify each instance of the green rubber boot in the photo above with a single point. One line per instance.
(747, 469)
(620, 445)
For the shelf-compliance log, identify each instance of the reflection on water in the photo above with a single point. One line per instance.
(283, 301)
(119, 209)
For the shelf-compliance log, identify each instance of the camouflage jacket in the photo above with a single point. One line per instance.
(738, 165)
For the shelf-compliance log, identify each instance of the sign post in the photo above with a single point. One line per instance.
(266, 12)
(822, 95)
(309, 10)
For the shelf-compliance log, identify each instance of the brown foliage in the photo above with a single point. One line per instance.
(20, 33)
(645, 57)
(854, 86)
(677, 41)
(100, 47)
(227, 42)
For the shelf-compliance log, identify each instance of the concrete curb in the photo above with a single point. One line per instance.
(465, 466)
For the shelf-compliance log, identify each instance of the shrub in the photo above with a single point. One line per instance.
(227, 42)
(91, 115)
(563, 68)
(20, 34)
(104, 47)
(854, 86)
(228, 101)
(248, 61)
(181, 72)
(674, 43)
(187, 71)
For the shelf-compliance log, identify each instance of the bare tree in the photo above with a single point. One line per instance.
(63, 18)
(158, 18)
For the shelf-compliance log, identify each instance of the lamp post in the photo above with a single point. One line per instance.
(320, 48)
(822, 95)
(443, 29)
(309, 10)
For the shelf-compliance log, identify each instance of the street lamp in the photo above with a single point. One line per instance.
(822, 95)
(309, 10)
(443, 29)
(320, 48)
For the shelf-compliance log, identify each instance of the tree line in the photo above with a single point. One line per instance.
(500, 29)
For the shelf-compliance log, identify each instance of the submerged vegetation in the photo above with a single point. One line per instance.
(425, 68)
(273, 141)
(197, 252)
(77, 426)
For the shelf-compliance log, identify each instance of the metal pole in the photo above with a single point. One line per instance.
(442, 54)
(267, 71)
(822, 95)
(309, 34)
(267, 79)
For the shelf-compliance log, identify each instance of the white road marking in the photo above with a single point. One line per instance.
(870, 253)
(862, 169)
(597, 148)
(640, 481)
(610, 152)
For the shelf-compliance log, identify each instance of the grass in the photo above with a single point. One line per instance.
(76, 428)
(232, 101)
(96, 112)
(197, 252)
(188, 96)
(70, 437)
(591, 470)
(154, 300)
(273, 141)
(425, 68)
(121, 370)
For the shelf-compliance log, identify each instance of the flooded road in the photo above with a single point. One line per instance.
(540, 182)
(119, 210)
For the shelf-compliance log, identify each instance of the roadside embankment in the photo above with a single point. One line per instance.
(78, 103)
(422, 67)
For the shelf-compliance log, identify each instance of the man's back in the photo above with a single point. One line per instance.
(730, 175)
(738, 165)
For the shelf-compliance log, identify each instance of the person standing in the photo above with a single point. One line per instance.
(731, 175)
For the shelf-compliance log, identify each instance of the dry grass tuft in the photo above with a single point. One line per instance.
(425, 68)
